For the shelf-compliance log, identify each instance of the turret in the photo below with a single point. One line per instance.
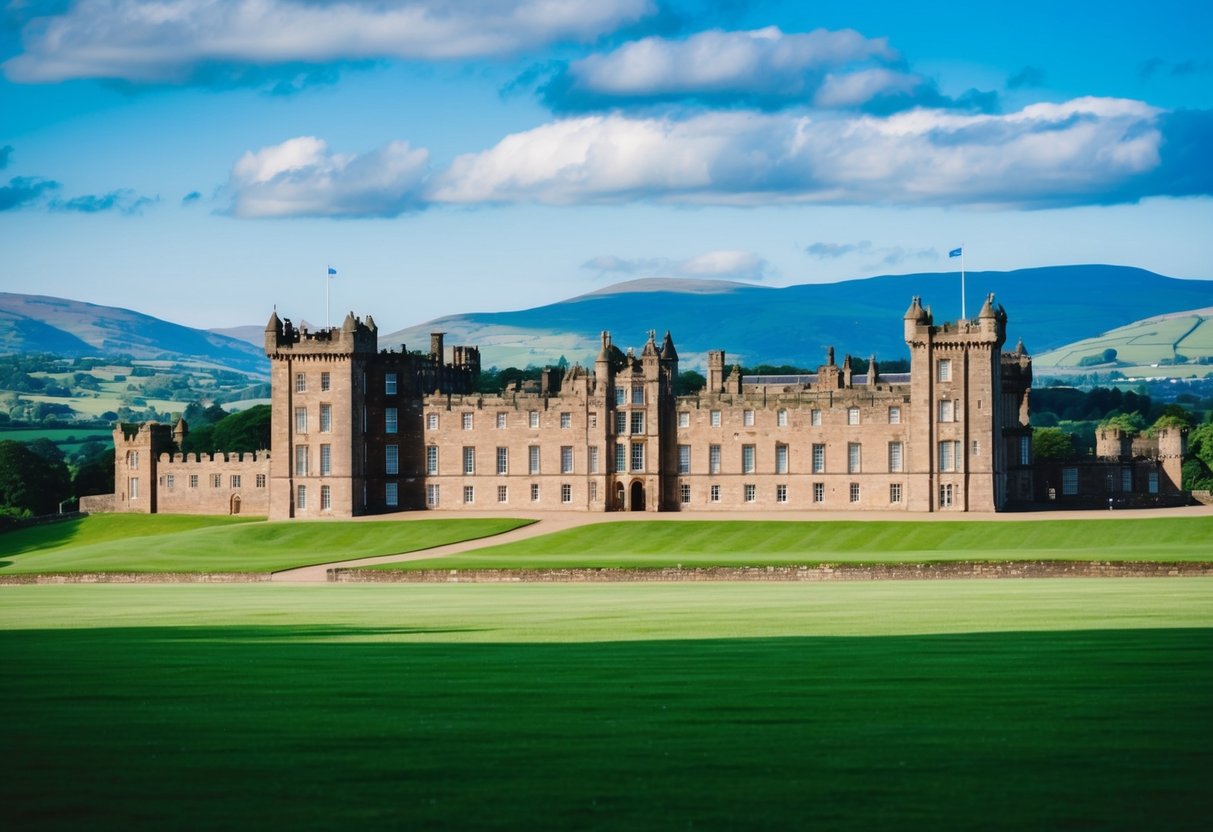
(715, 371)
(436, 349)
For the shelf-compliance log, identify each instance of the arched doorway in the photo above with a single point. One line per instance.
(235, 504)
(619, 497)
(638, 496)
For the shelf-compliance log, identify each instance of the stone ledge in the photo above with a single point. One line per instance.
(139, 578)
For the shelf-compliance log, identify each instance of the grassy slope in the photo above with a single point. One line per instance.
(168, 543)
(993, 705)
(696, 543)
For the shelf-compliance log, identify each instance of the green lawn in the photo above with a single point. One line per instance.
(168, 543)
(700, 543)
(958, 704)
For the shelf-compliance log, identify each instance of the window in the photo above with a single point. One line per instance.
(566, 421)
(947, 410)
(503, 494)
(781, 459)
(852, 415)
(1126, 479)
(747, 459)
(621, 422)
(389, 420)
(637, 394)
(949, 450)
(621, 396)
(300, 383)
(976, 447)
(593, 418)
(854, 492)
(895, 454)
(533, 419)
(392, 459)
(469, 460)
(133, 487)
(945, 495)
(169, 481)
(1069, 481)
(714, 418)
(325, 386)
(194, 480)
(469, 494)
(751, 493)
(532, 455)
(637, 456)
(621, 457)
(714, 494)
(895, 415)
(684, 419)
(501, 421)
(684, 459)
(593, 459)
(301, 497)
(132, 460)
(234, 480)
(684, 493)
(594, 492)
(1152, 483)
(566, 493)
(326, 418)
(566, 459)
(300, 420)
(260, 481)
(781, 493)
(431, 495)
(467, 421)
(216, 480)
(326, 496)
(815, 418)
(854, 449)
(895, 492)
(431, 459)
(503, 461)
(431, 421)
(638, 421)
(1025, 450)
(819, 492)
(389, 384)
(301, 460)
(534, 492)
(781, 418)
(747, 418)
(819, 459)
(713, 459)
(944, 370)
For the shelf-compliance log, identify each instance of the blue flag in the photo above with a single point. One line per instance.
(953, 253)
(333, 271)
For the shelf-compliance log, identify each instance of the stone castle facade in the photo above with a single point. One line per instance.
(362, 430)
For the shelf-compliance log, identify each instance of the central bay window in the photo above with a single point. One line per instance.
(503, 461)
(637, 456)
(532, 458)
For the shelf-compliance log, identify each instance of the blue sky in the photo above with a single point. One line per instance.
(203, 161)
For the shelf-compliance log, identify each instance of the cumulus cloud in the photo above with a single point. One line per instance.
(24, 191)
(1043, 155)
(123, 201)
(174, 41)
(886, 255)
(302, 177)
(715, 265)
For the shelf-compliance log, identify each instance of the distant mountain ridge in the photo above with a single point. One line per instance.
(1047, 307)
(42, 324)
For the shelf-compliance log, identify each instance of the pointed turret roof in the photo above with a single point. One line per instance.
(668, 352)
(274, 323)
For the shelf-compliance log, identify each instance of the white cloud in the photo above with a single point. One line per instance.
(168, 41)
(1045, 154)
(721, 265)
(301, 177)
(855, 89)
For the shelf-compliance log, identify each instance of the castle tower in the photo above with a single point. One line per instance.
(715, 371)
(1172, 445)
(137, 450)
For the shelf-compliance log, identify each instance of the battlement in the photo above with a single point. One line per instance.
(353, 336)
(207, 459)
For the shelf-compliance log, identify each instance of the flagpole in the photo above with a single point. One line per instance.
(962, 282)
(328, 316)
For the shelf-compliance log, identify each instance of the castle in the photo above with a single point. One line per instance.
(361, 430)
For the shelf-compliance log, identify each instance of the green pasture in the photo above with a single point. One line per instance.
(702, 543)
(188, 543)
(909, 705)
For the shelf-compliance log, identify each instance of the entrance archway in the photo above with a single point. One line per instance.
(638, 496)
(235, 504)
(619, 497)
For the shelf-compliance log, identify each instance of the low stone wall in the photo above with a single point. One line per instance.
(1203, 497)
(139, 578)
(812, 574)
(97, 503)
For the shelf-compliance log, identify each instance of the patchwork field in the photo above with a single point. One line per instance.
(963, 704)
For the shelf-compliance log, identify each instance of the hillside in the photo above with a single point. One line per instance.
(1048, 308)
(40, 324)
(1181, 340)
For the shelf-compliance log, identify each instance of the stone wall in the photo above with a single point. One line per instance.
(219, 484)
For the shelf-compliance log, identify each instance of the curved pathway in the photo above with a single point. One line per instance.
(555, 521)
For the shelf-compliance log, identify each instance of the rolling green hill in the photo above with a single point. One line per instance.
(1179, 340)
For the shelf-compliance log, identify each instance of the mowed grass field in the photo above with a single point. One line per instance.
(187, 543)
(1061, 704)
(702, 543)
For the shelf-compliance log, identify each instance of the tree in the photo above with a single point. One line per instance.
(1130, 423)
(95, 474)
(244, 431)
(689, 382)
(1052, 445)
(30, 483)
